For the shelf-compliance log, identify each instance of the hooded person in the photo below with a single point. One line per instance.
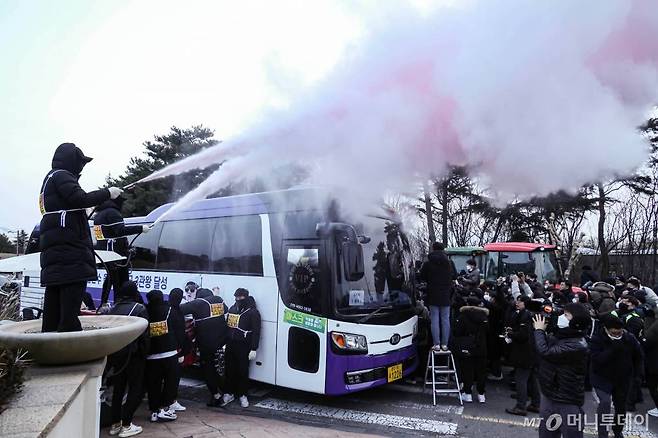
(469, 344)
(562, 369)
(162, 361)
(67, 257)
(126, 367)
(111, 231)
(183, 343)
(616, 358)
(244, 337)
(211, 332)
(440, 274)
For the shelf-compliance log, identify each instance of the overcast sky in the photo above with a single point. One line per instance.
(108, 75)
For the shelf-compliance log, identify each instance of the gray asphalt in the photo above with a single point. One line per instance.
(400, 409)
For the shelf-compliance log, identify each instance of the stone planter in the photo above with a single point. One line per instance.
(102, 335)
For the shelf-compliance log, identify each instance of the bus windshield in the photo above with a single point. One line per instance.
(385, 282)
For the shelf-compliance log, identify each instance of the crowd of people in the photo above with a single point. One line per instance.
(559, 340)
(227, 339)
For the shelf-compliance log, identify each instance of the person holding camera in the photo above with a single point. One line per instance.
(518, 333)
(562, 369)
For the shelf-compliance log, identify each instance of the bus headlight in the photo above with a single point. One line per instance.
(348, 342)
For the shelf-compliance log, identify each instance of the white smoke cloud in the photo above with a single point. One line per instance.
(533, 96)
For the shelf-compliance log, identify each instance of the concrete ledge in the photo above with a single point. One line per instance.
(56, 401)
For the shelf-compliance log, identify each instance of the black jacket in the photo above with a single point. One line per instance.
(244, 323)
(613, 363)
(161, 321)
(521, 350)
(139, 348)
(183, 342)
(108, 215)
(65, 240)
(439, 272)
(562, 365)
(469, 336)
(651, 349)
(210, 327)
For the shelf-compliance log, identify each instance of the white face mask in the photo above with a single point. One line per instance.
(469, 268)
(562, 321)
(574, 300)
(614, 338)
(487, 297)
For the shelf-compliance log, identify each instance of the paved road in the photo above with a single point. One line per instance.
(398, 410)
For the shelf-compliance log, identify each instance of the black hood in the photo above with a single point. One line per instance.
(203, 293)
(175, 297)
(437, 256)
(69, 157)
(112, 203)
(127, 290)
(155, 298)
(475, 313)
(246, 303)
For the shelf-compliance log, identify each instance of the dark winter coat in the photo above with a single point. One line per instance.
(161, 321)
(613, 363)
(469, 335)
(651, 349)
(562, 365)
(139, 348)
(183, 342)
(108, 215)
(244, 323)
(210, 327)
(471, 279)
(439, 273)
(521, 350)
(65, 240)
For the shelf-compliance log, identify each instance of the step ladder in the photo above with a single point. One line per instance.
(441, 374)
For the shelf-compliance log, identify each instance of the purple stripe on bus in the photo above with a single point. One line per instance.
(338, 365)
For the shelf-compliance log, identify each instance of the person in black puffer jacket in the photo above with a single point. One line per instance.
(67, 257)
(562, 367)
(440, 274)
(162, 361)
(469, 344)
(211, 333)
(126, 366)
(112, 238)
(244, 337)
(616, 359)
(518, 336)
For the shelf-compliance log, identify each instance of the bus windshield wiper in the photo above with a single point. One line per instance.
(369, 315)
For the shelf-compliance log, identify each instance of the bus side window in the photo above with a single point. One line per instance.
(237, 246)
(185, 245)
(146, 249)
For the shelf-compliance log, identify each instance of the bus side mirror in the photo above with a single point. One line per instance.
(353, 261)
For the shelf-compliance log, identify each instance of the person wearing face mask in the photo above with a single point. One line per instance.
(211, 333)
(562, 369)
(472, 278)
(518, 333)
(183, 343)
(67, 257)
(616, 360)
(625, 311)
(190, 292)
(244, 336)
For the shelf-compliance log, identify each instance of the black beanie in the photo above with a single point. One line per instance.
(127, 289)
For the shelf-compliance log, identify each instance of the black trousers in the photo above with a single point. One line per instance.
(130, 378)
(210, 373)
(652, 384)
(61, 307)
(116, 276)
(526, 386)
(473, 370)
(161, 375)
(237, 368)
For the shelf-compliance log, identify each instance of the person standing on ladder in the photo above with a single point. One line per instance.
(110, 231)
(67, 257)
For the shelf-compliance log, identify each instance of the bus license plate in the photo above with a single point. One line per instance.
(395, 372)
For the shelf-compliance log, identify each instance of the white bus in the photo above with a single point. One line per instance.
(330, 324)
